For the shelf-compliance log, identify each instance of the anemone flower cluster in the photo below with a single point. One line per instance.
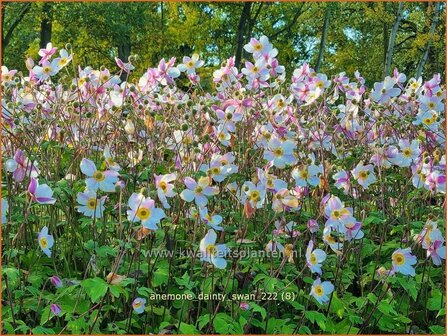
(311, 166)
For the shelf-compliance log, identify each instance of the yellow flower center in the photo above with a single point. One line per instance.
(278, 151)
(190, 64)
(99, 176)
(330, 239)
(163, 185)
(91, 203)
(43, 242)
(313, 259)
(304, 174)
(255, 196)
(363, 174)
(46, 70)
(336, 214)
(399, 259)
(258, 46)
(215, 170)
(198, 190)
(407, 152)
(319, 290)
(143, 213)
(267, 135)
(211, 249)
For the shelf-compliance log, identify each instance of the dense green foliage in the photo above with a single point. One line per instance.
(357, 34)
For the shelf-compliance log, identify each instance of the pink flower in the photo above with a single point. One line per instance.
(244, 306)
(436, 252)
(21, 166)
(56, 281)
(41, 194)
(312, 226)
(126, 67)
(56, 309)
(46, 53)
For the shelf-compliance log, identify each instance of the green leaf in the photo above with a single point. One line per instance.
(203, 320)
(386, 308)
(95, 288)
(437, 330)
(337, 306)
(257, 308)
(207, 286)
(117, 291)
(409, 285)
(42, 331)
(188, 329)
(304, 330)
(314, 316)
(270, 284)
(222, 323)
(371, 297)
(435, 302)
(160, 277)
(46, 315)
(185, 281)
(77, 326)
(103, 251)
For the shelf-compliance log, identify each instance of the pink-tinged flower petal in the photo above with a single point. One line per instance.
(83, 198)
(148, 203)
(33, 186)
(44, 194)
(157, 179)
(56, 281)
(190, 183)
(135, 201)
(19, 157)
(56, 309)
(19, 174)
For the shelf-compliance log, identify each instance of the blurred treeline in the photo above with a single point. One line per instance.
(333, 37)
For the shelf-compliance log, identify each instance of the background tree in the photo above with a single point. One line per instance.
(332, 37)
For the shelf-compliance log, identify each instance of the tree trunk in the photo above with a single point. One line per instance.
(245, 15)
(323, 37)
(124, 49)
(46, 24)
(385, 42)
(251, 24)
(7, 37)
(389, 53)
(427, 48)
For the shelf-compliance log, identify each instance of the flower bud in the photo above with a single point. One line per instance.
(129, 127)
